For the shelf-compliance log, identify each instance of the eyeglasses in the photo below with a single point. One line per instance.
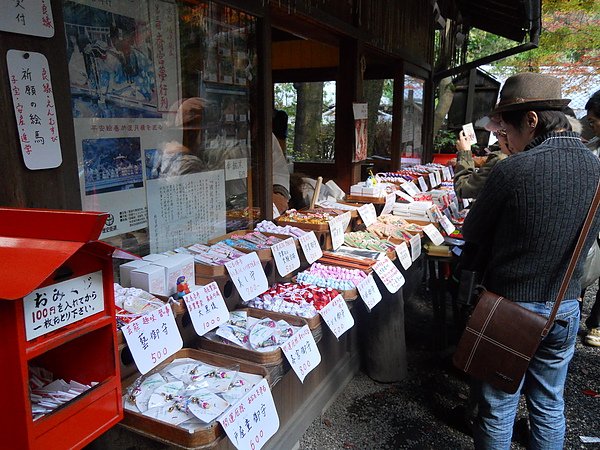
(500, 133)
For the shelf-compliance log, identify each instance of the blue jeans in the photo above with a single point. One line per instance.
(543, 386)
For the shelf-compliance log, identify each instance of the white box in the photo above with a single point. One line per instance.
(154, 257)
(188, 268)
(150, 278)
(174, 267)
(125, 270)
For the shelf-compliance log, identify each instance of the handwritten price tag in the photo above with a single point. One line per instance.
(438, 177)
(432, 179)
(432, 232)
(404, 255)
(410, 188)
(337, 316)
(302, 353)
(390, 201)
(368, 214)
(369, 292)
(405, 196)
(415, 247)
(207, 308)
(423, 185)
(389, 274)
(252, 421)
(447, 225)
(310, 246)
(248, 276)
(286, 256)
(446, 174)
(336, 228)
(153, 338)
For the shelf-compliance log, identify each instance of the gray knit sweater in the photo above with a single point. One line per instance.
(529, 214)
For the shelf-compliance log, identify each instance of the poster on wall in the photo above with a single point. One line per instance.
(185, 209)
(123, 71)
(361, 114)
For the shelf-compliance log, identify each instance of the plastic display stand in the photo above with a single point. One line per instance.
(44, 254)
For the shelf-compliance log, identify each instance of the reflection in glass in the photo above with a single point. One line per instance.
(412, 122)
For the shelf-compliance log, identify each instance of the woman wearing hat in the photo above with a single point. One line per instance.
(527, 218)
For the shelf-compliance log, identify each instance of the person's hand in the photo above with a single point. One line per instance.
(479, 160)
(463, 142)
(451, 162)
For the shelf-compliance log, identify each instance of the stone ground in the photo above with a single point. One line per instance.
(425, 411)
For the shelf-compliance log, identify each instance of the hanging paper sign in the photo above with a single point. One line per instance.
(404, 196)
(337, 316)
(286, 256)
(390, 276)
(153, 338)
(432, 232)
(361, 125)
(432, 180)
(310, 246)
(251, 422)
(410, 188)
(207, 308)
(446, 224)
(390, 201)
(301, 352)
(35, 113)
(367, 288)
(368, 214)
(423, 185)
(58, 305)
(31, 17)
(336, 228)
(236, 169)
(248, 276)
(404, 255)
(446, 174)
(415, 247)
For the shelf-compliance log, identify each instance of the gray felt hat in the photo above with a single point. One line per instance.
(530, 91)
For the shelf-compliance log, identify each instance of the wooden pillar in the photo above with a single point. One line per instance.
(348, 90)
(428, 108)
(397, 117)
(48, 188)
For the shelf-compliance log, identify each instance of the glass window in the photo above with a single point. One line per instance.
(412, 121)
(311, 119)
(379, 94)
(161, 100)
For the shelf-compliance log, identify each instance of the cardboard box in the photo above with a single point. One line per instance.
(187, 267)
(152, 257)
(150, 278)
(125, 270)
(174, 267)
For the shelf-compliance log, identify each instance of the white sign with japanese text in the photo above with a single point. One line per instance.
(248, 276)
(302, 353)
(337, 316)
(405, 196)
(423, 185)
(368, 214)
(310, 246)
(252, 421)
(236, 169)
(336, 228)
(410, 188)
(35, 113)
(446, 174)
(53, 307)
(369, 292)
(390, 276)
(286, 256)
(432, 232)
(404, 255)
(448, 226)
(390, 201)
(153, 338)
(432, 179)
(32, 17)
(415, 247)
(207, 308)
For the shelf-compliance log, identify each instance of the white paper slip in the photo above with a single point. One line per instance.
(432, 232)
(404, 255)
(390, 276)
(153, 338)
(336, 228)
(390, 201)
(423, 184)
(368, 214)
(369, 292)
(446, 174)
(248, 276)
(207, 308)
(433, 179)
(302, 353)
(447, 225)
(415, 247)
(286, 256)
(470, 133)
(310, 246)
(405, 196)
(337, 316)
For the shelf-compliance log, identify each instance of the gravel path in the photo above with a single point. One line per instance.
(426, 411)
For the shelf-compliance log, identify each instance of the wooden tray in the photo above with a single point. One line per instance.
(365, 199)
(208, 271)
(304, 225)
(264, 254)
(313, 322)
(171, 433)
(271, 358)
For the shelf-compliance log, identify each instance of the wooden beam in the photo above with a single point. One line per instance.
(303, 54)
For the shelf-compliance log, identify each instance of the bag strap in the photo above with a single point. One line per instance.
(574, 258)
